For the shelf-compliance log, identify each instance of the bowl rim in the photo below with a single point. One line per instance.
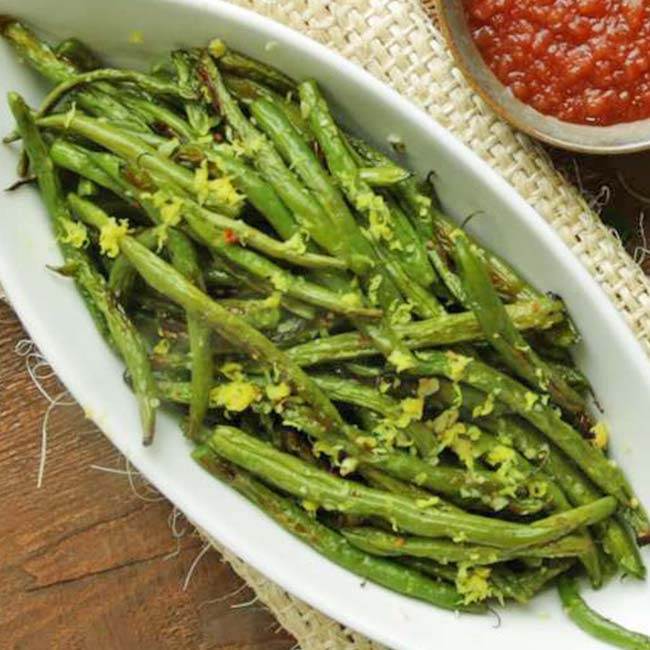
(622, 138)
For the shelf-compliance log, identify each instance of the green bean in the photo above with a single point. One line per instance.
(384, 176)
(128, 342)
(385, 482)
(78, 54)
(210, 228)
(264, 198)
(123, 275)
(263, 314)
(379, 542)
(446, 572)
(302, 159)
(100, 102)
(491, 444)
(433, 223)
(332, 545)
(477, 490)
(616, 541)
(364, 371)
(305, 207)
(197, 114)
(157, 116)
(217, 278)
(566, 369)
(296, 151)
(130, 128)
(501, 333)
(257, 239)
(99, 299)
(282, 280)
(420, 300)
(108, 173)
(292, 475)
(449, 481)
(247, 90)
(450, 279)
(147, 82)
(514, 468)
(529, 406)
(250, 68)
(135, 150)
(165, 279)
(520, 586)
(353, 392)
(593, 623)
(58, 69)
(74, 158)
(534, 446)
(523, 586)
(257, 190)
(262, 287)
(572, 375)
(381, 222)
(35, 52)
(270, 165)
(185, 261)
(441, 331)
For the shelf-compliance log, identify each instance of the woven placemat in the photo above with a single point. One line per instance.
(397, 42)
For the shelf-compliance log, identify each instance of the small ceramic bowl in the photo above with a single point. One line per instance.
(616, 139)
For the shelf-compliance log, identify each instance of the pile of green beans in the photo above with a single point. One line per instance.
(339, 351)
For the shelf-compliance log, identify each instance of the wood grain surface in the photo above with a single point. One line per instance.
(84, 562)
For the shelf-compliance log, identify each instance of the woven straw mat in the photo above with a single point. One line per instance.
(396, 41)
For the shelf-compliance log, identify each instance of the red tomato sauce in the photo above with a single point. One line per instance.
(583, 61)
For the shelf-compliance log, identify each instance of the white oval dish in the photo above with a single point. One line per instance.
(56, 319)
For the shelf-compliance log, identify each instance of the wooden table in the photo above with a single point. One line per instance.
(85, 563)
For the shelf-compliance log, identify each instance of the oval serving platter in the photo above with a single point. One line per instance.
(55, 317)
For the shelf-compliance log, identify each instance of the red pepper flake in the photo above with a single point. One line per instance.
(217, 137)
(230, 236)
(399, 542)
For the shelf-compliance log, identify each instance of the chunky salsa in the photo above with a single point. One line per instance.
(583, 61)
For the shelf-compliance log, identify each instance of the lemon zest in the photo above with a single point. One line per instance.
(428, 386)
(473, 583)
(278, 392)
(427, 503)
(136, 37)
(75, 233)
(235, 396)
(232, 370)
(485, 408)
(110, 235)
(401, 360)
(601, 435)
(457, 365)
